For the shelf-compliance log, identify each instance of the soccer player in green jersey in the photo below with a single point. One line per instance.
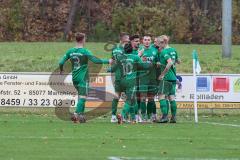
(168, 59)
(135, 43)
(136, 50)
(128, 64)
(79, 57)
(151, 108)
(118, 49)
(156, 47)
(147, 80)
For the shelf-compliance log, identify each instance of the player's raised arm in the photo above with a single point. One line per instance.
(63, 60)
(96, 60)
(113, 68)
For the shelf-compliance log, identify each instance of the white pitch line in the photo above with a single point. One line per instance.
(131, 158)
(206, 159)
(35, 137)
(159, 158)
(75, 138)
(114, 158)
(222, 124)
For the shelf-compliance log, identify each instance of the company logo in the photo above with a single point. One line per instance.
(236, 85)
(220, 84)
(203, 84)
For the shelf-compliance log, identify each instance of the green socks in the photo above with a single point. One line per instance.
(151, 108)
(80, 105)
(173, 105)
(136, 108)
(132, 112)
(167, 106)
(163, 106)
(125, 110)
(128, 109)
(154, 108)
(114, 106)
(143, 108)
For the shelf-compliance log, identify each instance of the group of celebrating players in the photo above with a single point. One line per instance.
(142, 70)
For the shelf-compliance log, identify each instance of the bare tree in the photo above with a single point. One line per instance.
(71, 17)
(53, 5)
(42, 7)
(178, 3)
(206, 6)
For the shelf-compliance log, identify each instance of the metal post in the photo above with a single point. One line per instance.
(226, 28)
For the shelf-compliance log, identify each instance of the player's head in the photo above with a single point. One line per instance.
(166, 38)
(147, 40)
(128, 48)
(124, 38)
(80, 37)
(163, 41)
(135, 41)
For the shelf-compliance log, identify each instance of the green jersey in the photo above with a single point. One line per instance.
(150, 56)
(118, 49)
(141, 46)
(158, 70)
(79, 58)
(153, 47)
(129, 65)
(164, 56)
(135, 52)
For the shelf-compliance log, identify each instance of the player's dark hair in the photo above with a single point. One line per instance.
(148, 35)
(79, 36)
(128, 48)
(134, 37)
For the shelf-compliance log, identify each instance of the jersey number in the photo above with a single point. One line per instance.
(76, 62)
(127, 68)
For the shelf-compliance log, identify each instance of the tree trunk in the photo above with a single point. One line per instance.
(54, 3)
(205, 6)
(71, 17)
(89, 14)
(43, 6)
(178, 3)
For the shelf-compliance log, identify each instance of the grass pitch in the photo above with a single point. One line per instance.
(40, 135)
(44, 56)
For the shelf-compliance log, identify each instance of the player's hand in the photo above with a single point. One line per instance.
(111, 61)
(178, 61)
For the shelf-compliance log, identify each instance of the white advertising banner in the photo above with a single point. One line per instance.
(30, 89)
(210, 88)
(46, 90)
